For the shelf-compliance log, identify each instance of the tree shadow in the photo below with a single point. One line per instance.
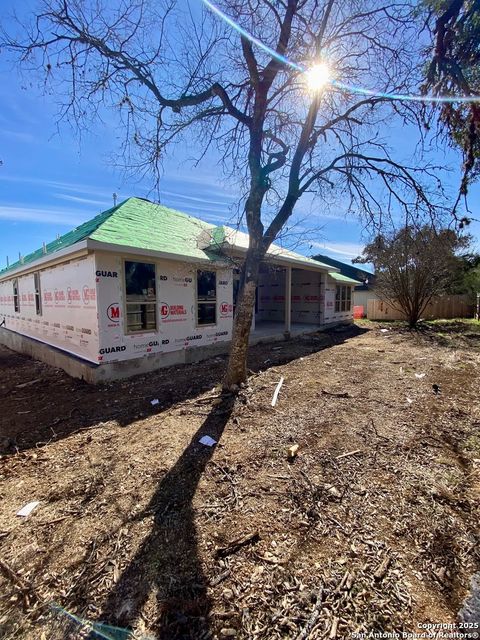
(454, 334)
(167, 565)
(58, 406)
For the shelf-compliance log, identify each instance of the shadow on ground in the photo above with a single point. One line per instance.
(167, 565)
(452, 333)
(56, 406)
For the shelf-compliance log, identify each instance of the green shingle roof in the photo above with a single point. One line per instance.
(341, 278)
(140, 224)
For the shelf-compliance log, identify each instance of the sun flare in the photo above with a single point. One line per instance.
(318, 76)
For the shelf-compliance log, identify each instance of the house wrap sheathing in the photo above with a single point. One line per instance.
(148, 286)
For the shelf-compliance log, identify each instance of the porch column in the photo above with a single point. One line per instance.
(288, 298)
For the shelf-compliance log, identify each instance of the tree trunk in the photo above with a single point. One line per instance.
(237, 362)
(413, 317)
(412, 322)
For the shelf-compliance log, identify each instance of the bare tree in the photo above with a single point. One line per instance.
(454, 70)
(169, 73)
(414, 264)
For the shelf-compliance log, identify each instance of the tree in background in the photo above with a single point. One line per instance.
(467, 278)
(454, 69)
(414, 264)
(172, 73)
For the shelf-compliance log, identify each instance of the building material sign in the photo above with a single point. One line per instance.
(175, 308)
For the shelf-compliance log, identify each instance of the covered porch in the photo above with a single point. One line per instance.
(289, 302)
(275, 331)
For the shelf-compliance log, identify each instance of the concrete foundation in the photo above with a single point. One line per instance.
(73, 365)
(98, 373)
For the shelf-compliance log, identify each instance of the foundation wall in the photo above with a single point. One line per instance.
(98, 373)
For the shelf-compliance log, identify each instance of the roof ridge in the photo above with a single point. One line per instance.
(322, 257)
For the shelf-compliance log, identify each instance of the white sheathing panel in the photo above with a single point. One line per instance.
(108, 273)
(68, 317)
(224, 308)
(307, 304)
(271, 296)
(330, 315)
(175, 308)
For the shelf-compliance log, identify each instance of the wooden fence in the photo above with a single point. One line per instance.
(459, 306)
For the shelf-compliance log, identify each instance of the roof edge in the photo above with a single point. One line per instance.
(339, 277)
(45, 261)
(111, 247)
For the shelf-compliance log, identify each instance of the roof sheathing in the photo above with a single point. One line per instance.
(153, 227)
(140, 224)
(239, 241)
(133, 223)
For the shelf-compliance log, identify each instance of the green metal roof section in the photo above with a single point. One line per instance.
(341, 278)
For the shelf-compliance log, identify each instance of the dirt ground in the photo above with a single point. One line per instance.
(374, 526)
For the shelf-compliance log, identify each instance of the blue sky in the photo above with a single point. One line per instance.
(50, 181)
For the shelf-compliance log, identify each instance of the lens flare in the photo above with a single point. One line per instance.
(335, 83)
(248, 36)
(318, 76)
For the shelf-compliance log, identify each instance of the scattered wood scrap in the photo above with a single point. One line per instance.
(349, 453)
(238, 543)
(26, 589)
(312, 621)
(342, 394)
(27, 384)
(382, 569)
(292, 452)
(277, 391)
